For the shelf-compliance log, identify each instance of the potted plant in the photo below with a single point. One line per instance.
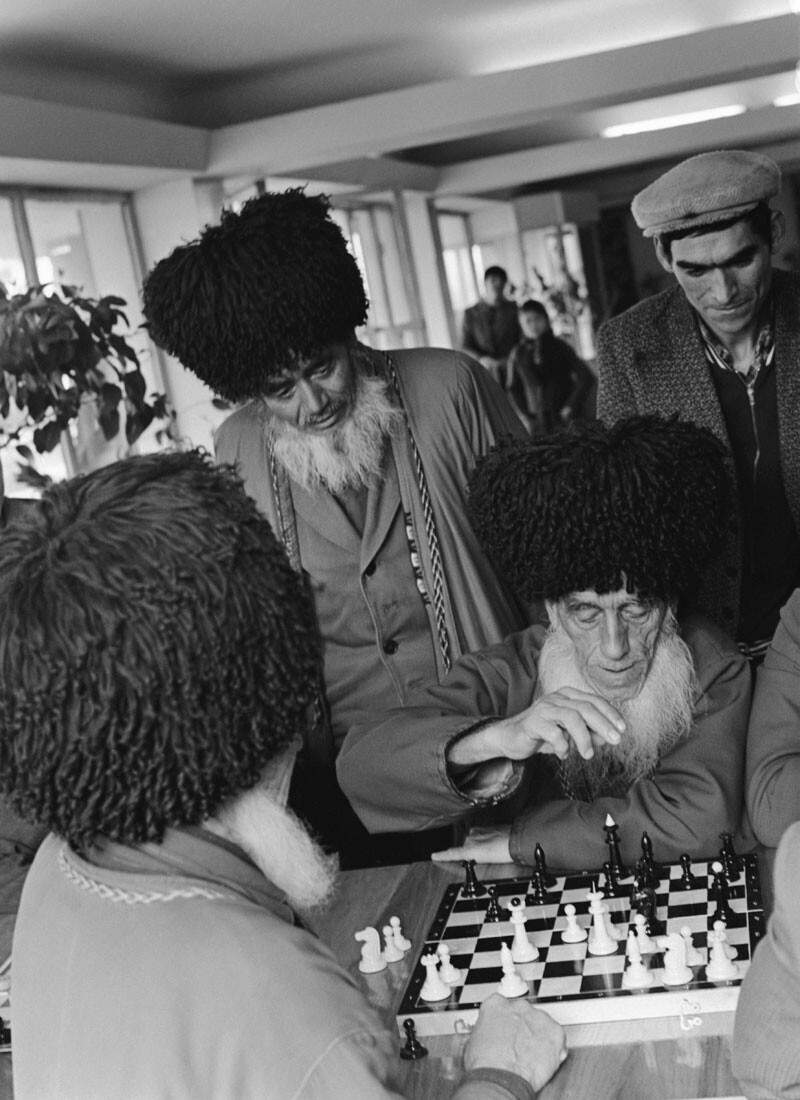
(59, 351)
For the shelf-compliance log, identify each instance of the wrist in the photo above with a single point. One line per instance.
(514, 1085)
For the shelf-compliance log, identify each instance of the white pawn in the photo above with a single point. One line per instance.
(676, 972)
(693, 956)
(637, 976)
(722, 936)
(522, 950)
(601, 942)
(646, 945)
(719, 967)
(512, 984)
(372, 961)
(574, 932)
(391, 952)
(433, 988)
(447, 972)
(399, 938)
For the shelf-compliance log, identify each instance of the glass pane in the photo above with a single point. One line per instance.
(12, 272)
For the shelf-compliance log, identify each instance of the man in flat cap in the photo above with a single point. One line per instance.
(623, 705)
(158, 652)
(722, 348)
(359, 459)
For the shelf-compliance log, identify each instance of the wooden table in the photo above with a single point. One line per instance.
(651, 1060)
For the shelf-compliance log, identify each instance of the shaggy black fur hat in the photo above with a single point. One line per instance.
(271, 283)
(641, 505)
(156, 650)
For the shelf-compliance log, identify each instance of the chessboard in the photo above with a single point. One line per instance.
(574, 986)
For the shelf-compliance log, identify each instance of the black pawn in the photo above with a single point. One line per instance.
(413, 1048)
(612, 888)
(615, 859)
(538, 888)
(541, 864)
(730, 861)
(493, 913)
(688, 881)
(471, 888)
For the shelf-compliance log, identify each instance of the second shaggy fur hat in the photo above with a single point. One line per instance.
(641, 505)
(272, 283)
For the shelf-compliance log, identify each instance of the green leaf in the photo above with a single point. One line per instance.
(47, 437)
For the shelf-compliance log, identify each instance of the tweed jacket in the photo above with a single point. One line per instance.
(651, 360)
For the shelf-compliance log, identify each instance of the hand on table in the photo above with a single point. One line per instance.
(514, 1036)
(483, 844)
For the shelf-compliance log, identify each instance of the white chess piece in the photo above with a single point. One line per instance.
(646, 944)
(693, 956)
(574, 932)
(447, 972)
(433, 988)
(601, 942)
(676, 972)
(372, 961)
(401, 941)
(637, 976)
(522, 950)
(391, 952)
(722, 936)
(512, 984)
(719, 967)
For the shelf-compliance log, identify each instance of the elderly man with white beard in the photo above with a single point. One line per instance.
(158, 653)
(625, 703)
(359, 458)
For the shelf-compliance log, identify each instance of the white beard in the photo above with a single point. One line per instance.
(656, 718)
(349, 455)
(281, 847)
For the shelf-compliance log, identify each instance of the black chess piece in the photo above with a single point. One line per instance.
(493, 912)
(720, 893)
(472, 888)
(611, 829)
(730, 861)
(643, 900)
(541, 863)
(687, 879)
(413, 1048)
(538, 890)
(646, 873)
(611, 888)
(655, 872)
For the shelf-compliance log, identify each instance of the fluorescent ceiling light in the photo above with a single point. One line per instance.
(790, 100)
(666, 122)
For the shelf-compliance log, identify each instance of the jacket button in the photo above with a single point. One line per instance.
(370, 569)
(390, 647)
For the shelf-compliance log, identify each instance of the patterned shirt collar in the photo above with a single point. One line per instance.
(717, 353)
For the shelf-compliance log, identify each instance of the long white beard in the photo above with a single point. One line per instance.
(349, 455)
(656, 719)
(281, 847)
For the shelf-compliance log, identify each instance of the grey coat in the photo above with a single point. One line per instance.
(651, 360)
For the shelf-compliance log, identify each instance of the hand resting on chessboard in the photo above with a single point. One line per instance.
(547, 726)
(514, 1036)
(484, 844)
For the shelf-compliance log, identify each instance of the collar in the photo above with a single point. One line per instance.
(718, 355)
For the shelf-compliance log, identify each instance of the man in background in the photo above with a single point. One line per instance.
(358, 458)
(722, 349)
(157, 654)
(491, 327)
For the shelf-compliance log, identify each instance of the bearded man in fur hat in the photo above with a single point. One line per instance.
(358, 458)
(157, 653)
(624, 704)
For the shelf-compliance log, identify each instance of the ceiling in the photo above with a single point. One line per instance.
(475, 99)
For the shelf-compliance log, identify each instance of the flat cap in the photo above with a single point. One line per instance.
(708, 188)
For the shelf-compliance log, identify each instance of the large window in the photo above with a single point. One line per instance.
(55, 238)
